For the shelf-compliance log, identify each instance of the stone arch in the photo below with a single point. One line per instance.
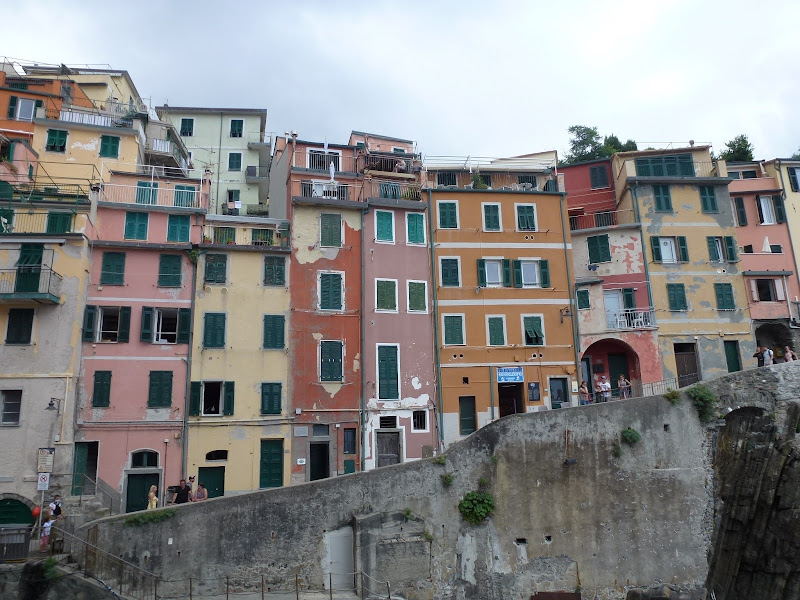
(774, 335)
(11, 500)
(601, 353)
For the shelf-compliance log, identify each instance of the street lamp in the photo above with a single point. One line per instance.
(54, 404)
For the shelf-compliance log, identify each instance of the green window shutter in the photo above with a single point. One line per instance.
(416, 228)
(506, 272)
(12, 107)
(676, 296)
(331, 230)
(195, 391)
(448, 215)
(453, 330)
(228, 398)
(491, 217)
(629, 298)
(160, 395)
(124, 324)
(417, 293)
(136, 225)
(388, 388)
(708, 199)
(270, 398)
(481, 272)
(793, 182)
(385, 226)
(544, 274)
(101, 396)
(184, 325)
(466, 415)
(216, 268)
(109, 146)
(235, 161)
(449, 268)
(274, 326)
(534, 336)
(147, 324)
(741, 213)
(112, 271)
(730, 248)
(517, 266)
(583, 298)
(214, 330)
(330, 291)
(20, 325)
(386, 292)
(496, 334)
(59, 222)
(274, 270)
(184, 195)
(169, 270)
(662, 198)
(526, 218)
(604, 248)
(655, 245)
(780, 211)
(237, 126)
(89, 323)
(718, 292)
(330, 355)
(146, 192)
(178, 228)
(594, 253)
(724, 294)
(713, 254)
(683, 249)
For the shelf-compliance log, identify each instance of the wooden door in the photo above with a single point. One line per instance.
(138, 488)
(388, 443)
(29, 268)
(213, 479)
(686, 364)
(271, 468)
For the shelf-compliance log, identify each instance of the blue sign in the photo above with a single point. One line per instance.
(509, 375)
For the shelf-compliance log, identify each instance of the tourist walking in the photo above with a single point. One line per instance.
(152, 498)
(789, 355)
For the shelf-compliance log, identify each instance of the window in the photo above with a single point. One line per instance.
(418, 296)
(794, 178)
(526, 217)
(330, 226)
(12, 404)
(496, 330)
(491, 217)
(449, 270)
(665, 166)
(448, 215)
(767, 290)
(169, 270)
(224, 235)
(582, 297)
(330, 291)
(107, 324)
(485, 179)
(184, 196)
(770, 210)
(237, 127)
(532, 330)
(217, 455)
(59, 222)
(101, 396)
(109, 146)
(386, 295)
(216, 268)
(178, 228)
(234, 161)
(21, 109)
(262, 237)
(748, 249)
(494, 272)
(214, 330)
(211, 398)
(274, 326)
(419, 420)
(415, 228)
(599, 249)
(531, 273)
(708, 199)
(233, 197)
(527, 180)
(662, 198)
(724, 294)
(136, 225)
(56, 140)
(165, 325)
(275, 270)
(20, 326)
(445, 178)
(330, 361)
(776, 249)
(160, 393)
(721, 249)
(144, 459)
(320, 430)
(349, 441)
(741, 213)
(453, 330)
(669, 249)
(467, 419)
(598, 176)
(388, 372)
(271, 398)
(676, 297)
(384, 226)
(187, 127)
(146, 192)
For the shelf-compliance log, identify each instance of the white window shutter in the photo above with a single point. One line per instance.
(754, 290)
(779, 294)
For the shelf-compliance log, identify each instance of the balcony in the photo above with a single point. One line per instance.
(169, 150)
(318, 160)
(388, 163)
(20, 223)
(631, 318)
(69, 193)
(256, 174)
(601, 219)
(258, 140)
(87, 116)
(392, 190)
(329, 190)
(268, 236)
(30, 283)
(671, 168)
(174, 197)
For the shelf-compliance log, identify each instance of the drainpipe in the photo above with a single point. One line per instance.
(435, 318)
(572, 309)
(186, 399)
(219, 162)
(635, 203)
(363, 357)
(491, 395)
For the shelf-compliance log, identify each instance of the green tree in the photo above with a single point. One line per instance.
(739, 149)
(612, 145)
(585, 144)
(796, 155)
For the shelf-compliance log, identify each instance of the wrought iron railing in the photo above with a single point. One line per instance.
(88, 116)
(55, 223)
(631, 318)
(601, 219)
(392, 190)
(320, 160)
(161, 196)
(30, 279)
(333, 190)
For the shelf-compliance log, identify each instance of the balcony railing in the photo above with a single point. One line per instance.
(169, 147)
(148, 196)
(257, 173)
(54, 223)
(259, 138)
(631, 318)
(157, 145)
(88, 116)
(392, 190)
(671, 169)
(332, 190)
(601, 219)
(31, 282)
(319, 160)
(72, 193)
(386, 162)
(272, 237)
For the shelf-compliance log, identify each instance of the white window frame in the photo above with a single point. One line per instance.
(498, 260)
(19, 110)
(568, 399)
(241, 163)
(4, 411)
(375, 226)
(323, 151)
(427, 420)
(458, 215)
(675, 253)
(319, 361)
(319, 291)
(408, 297)
(505, 332)
(463, 330)
(522, 329)
(157, 319)
(535, 263)
(766, 202)
(499, 216)
(378, 374)
(424, 230)
(396, 299)
(203, 412)
(230, 123)
(720, 250)
(99, 324)
(460, 271)
(535, 217)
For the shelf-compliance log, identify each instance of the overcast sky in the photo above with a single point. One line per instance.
(489, 78)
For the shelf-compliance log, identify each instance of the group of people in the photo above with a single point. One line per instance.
(603, 390)
(766, 357)
(54, 513)
(182, 494)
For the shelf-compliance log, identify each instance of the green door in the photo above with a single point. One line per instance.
(213, 479)
(617, 364)
(138, 488)
(79, 470)
(29, 268)
(271, 472)
(732, 356)
(15, 512)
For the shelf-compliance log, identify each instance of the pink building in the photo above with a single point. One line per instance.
(136, 335)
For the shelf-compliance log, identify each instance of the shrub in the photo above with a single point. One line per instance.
(616, 451)
(482, 483)
(49, 568)
(476, 507)
(630, 436)
(440, 460)
(495, 459)
(154, 516)
(447, 479)
(673, 396)
(704, 401)
(408, 514)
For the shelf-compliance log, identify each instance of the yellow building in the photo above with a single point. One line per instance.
(238, 423)
(786, 172)
(680, 197)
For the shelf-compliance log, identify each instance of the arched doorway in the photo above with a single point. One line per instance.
(16, 510)
(610, 357)
(775, 336)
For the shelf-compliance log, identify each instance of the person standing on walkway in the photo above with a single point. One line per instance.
(152, 498)
(789, 355)
(624, 387)
(759, 356)
(768, 356)
(604, 389)
(183, 494)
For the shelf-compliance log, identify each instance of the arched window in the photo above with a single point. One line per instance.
(217, 455)
(144, 458)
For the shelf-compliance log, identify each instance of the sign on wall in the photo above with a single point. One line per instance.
(534, 395)
(509, 375)
(43, 482)
(44, 460)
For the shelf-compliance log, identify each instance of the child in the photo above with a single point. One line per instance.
(46, 532)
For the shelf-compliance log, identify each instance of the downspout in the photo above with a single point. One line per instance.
(186, 399)
(573, 311)
(219, 163)
(491, 394)
(435, 318)
(363, 358)
(635, 203)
